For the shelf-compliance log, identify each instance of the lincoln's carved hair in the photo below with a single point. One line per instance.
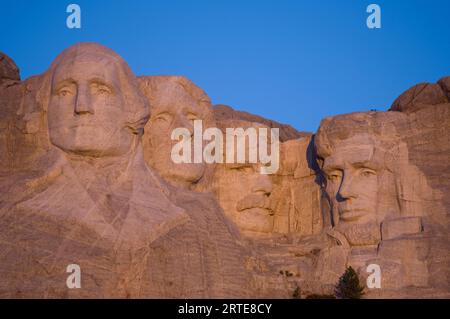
(136, 106)
(379, 126)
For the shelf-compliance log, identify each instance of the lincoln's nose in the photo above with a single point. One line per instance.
(347, 189)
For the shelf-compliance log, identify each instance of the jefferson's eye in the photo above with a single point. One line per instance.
(192, 117)
(162, 118)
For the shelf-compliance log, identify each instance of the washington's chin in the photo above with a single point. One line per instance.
(90, 141)
(89, 149)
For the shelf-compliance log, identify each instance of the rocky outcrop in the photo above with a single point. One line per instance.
(422, 95)
(8, 69)
(287, 132)
(87, 177)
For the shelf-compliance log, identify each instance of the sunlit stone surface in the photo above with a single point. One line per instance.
(86, 178)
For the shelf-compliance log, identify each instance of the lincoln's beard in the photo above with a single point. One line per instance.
(361, 234)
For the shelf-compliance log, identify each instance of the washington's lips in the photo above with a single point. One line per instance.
(75, 125)
(90, 125)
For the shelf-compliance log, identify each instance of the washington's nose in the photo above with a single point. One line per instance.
(82, 104)
(346, 189)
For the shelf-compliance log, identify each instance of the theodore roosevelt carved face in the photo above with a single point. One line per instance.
(243, 192)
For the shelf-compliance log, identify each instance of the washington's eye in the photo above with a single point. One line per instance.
(367, 172)
(101, 89)
(64, 92)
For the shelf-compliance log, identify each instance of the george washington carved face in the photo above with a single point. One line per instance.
(89, 107)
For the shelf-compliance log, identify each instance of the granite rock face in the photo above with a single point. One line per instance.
(94, 202)
(176, 102)
(287, 132)
(8, 69)
(87, 178)
(422, 95)
(388, 204)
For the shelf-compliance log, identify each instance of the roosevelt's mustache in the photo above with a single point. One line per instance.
(253, 201)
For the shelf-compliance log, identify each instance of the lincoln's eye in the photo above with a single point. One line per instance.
(333, 177)
(367, 172)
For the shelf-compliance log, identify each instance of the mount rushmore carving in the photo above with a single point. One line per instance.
(87, 178)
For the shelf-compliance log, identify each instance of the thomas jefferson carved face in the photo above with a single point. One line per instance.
(86, 111)
(176, 103)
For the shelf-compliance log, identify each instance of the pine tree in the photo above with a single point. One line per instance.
(297, 293)
(348, 286)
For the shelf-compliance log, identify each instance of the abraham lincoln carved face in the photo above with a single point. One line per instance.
(357, 154)
(352, 180)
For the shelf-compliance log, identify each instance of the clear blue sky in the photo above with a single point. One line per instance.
(292, 61)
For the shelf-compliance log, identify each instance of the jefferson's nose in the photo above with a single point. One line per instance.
(182, 121)
(83, 103)
(346, 189)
